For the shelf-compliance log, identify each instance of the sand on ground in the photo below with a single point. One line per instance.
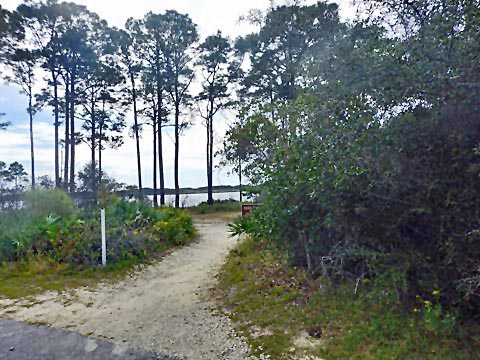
(162, 307)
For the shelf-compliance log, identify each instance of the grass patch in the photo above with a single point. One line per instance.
(35, 276)
(218, 206)
(39, 274)
(49, 244)
(261, 291)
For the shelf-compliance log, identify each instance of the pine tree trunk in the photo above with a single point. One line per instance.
(208, 159)
(158, 118)
(210, 185)
(177, 151)
(67, 134)
(160, 166)
(101, 125)
(240, 178)
(100, 171)
(210, 153)
(32, 154)
(93, 179)
(155, 195)
(160, 149)
(137, 137)
(56, 124)
(72, 132)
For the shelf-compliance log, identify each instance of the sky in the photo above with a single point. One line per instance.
(210, 16)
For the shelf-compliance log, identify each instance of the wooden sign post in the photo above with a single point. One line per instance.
(247, 208)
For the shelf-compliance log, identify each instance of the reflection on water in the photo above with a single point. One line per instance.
(189, 200)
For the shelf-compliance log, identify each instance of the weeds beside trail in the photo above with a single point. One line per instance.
(50, 244)
(286, 314)
(161, 307)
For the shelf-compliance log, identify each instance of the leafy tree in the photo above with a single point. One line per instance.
(3, 22)
(149, 45)
(22, 65)
(4, 179)
(17, 174)
(220, 66)
(100, 105)
(11, 29)
(45, 182)
(278, 51)
(4, 174)
(46, 21)
(125, 41)
(179, 35)
(284, 49)
(107, 182)
(78, 42)
(235, 148)
(437, 45)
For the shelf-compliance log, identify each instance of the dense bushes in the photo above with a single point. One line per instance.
(49, 202)
(388, 201)
(370, 167)
(227, 205)
(50, 225)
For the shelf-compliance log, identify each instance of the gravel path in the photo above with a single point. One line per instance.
(160, 308)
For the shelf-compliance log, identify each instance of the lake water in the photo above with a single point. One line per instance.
(189, 200)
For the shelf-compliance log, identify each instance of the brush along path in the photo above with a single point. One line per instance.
(160, 308)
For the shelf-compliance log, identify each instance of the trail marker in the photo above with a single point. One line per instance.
(104, 237)
(247, 208)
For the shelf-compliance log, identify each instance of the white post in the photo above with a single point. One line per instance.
(104, 238)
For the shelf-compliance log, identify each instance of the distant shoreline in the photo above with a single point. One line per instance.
(186, 191)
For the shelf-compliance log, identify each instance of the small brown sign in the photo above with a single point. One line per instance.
(247, 208)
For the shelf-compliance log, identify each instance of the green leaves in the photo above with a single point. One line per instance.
(376, 146)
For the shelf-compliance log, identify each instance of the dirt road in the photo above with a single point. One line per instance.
(160, 308)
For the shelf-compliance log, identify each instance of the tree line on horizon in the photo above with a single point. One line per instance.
(94, 74)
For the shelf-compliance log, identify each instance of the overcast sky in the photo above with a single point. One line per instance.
(210, 16)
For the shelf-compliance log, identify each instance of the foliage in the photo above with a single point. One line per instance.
(283, 305)
(45, 182)
(43, 203)
(372, 164)
(244, 225)
(12, 180)
(216, 207)
(220, 67)
(50, 226)
(101, 179)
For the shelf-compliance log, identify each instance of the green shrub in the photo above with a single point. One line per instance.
(172, 226)
(49, 202)
(402, 195)
(244, 225)
(217, 206)
(134, 231)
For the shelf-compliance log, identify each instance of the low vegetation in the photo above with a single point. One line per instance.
(368, 160)
(217, 207)
(49, 238)
(286, 313)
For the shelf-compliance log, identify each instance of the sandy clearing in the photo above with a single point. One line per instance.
(160, 308)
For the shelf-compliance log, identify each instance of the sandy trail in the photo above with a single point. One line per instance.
(160, 308)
